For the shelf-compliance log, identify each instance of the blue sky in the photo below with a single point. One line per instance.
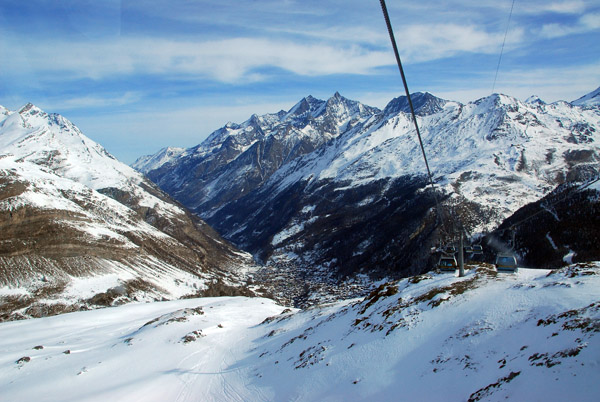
(138, 75)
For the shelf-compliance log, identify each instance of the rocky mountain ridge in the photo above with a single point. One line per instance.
(359, 201)
(591, 99)
(239, 158)
(561, 228)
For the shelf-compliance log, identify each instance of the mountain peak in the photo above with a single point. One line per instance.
(424, 103)
(149, 162)
(338, 98)
(308, 104)
(27, 107)
(591, 99)
(494, 101)
(534, 100)
(31, 110)
(55, 142)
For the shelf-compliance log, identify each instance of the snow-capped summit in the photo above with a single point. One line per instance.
(306, 106)
(30, 111)
(591, 99)
(150, 162)
(344, 110)
(534, 99)
(55, 142)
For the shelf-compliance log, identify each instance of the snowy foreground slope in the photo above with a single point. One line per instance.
(435, 337)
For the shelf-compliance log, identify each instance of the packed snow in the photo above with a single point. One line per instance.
(436, 337)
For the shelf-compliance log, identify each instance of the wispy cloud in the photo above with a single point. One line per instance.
(587, 23)
(549, 83)
(229, 60)
(564, 7)
(431, 42)
(242, 59)
(83, 102)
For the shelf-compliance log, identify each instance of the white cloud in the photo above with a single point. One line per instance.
(587, 23)
(430, 42)
(96, 101)
(349, 34)
(229, 60)
(237, 60)
(566, 7)
(591, 21)
(559, 7)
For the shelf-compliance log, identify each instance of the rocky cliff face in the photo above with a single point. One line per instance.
(70, 212)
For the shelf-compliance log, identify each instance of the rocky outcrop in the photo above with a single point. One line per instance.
(561, 228)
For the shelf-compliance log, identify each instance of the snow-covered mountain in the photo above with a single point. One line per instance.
(487, 336)
(359, 201)
(238, 158)
(589, 100)
(148, 163)
(71, 211)
(477, 150)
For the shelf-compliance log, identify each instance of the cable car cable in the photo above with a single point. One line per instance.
(410, 104)
(503, 42)
(440, 212)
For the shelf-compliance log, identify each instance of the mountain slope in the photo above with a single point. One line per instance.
(563, 227)
(484, 337)
(70, 210)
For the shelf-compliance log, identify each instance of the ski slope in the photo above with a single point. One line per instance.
(525, 336)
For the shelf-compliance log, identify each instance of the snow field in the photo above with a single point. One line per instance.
(121, 353)
(435, 337)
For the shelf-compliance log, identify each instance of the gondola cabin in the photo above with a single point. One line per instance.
(447, 263)
(506, 263)
(451, 250)
(477, 254)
